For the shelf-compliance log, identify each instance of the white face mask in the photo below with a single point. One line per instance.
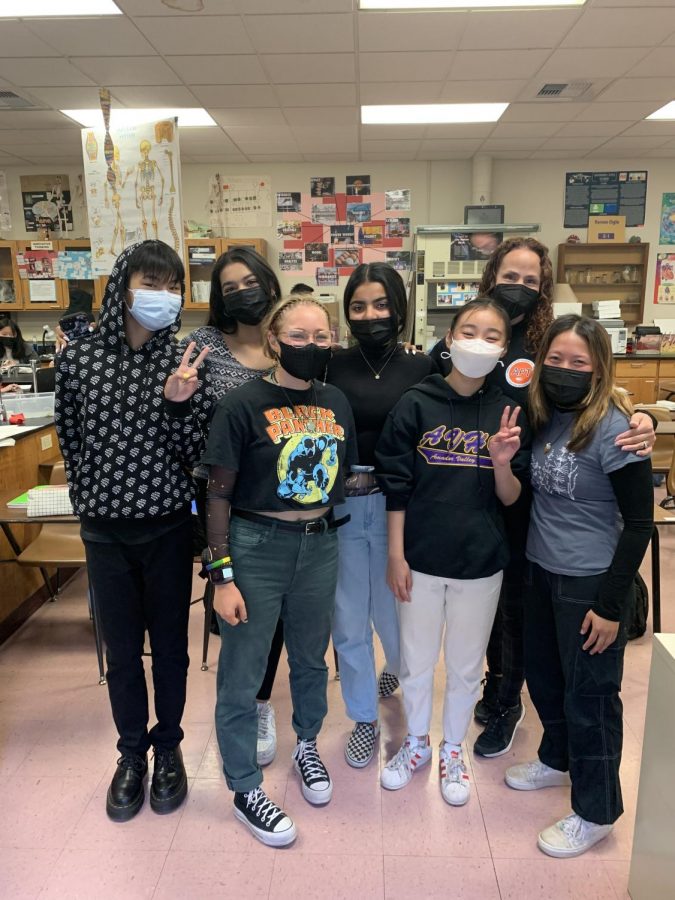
(155, 310)
(474, 357)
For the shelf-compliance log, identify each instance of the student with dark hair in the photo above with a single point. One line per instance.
(129, 417)
(372, 375)
(301, 288)
(13, 349)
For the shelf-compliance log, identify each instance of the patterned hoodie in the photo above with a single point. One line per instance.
(125, 454)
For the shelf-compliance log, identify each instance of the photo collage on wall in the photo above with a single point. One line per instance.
(326, 234)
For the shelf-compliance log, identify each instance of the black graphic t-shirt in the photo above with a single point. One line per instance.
(290, 449)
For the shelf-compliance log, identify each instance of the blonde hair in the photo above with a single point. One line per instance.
(273, 319)
(602, 391)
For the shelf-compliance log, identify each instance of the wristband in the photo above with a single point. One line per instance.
(218, 563)
(221, 576)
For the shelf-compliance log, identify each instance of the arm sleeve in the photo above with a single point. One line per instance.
(66, 419)
(218, 504)
(395, 457)
(634, 491)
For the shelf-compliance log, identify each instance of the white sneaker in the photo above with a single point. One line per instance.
(571, 836)
(399, 770)
(531, 776)
(267, 734)
(455, 781)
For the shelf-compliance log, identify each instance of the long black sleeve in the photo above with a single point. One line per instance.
(634, 491)
(218, 502)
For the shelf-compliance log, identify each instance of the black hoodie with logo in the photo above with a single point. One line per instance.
(125, 455)
(433, 462)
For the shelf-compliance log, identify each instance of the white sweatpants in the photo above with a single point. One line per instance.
(467, 609)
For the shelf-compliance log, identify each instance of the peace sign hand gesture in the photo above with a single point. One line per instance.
(182, 383)
(504, 445)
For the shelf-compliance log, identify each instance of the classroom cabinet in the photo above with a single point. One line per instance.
(10, 289)
(200, 257)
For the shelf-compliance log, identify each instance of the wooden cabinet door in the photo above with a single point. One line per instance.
(10, 287)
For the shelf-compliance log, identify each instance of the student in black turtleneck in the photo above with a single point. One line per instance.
(373, 375)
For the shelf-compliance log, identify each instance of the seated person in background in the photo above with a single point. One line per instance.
(13, 348)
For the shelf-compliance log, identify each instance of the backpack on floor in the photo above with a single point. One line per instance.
(636, 624)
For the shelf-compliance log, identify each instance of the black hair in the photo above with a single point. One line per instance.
(484, 302)
(258, 266)
(393, 286)
(301, 288)
(158, 260)
(20, 352)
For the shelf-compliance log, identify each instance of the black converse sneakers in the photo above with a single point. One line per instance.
(265, 820)
(360, 747)
(317, 788)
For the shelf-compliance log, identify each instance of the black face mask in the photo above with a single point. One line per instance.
(305, 363)
(564, 388)
(517, 299)
(374, 334)
(248, 306)
(8, 342)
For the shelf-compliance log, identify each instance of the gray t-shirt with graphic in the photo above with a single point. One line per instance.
(575, 522)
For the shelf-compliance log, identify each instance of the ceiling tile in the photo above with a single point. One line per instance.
(240, 69)
(294, 6)
(31, 72)
(122, 70)
(573, 65)
(427, 66)
(658, 62)
(658, 90)
(243, 133)
(610, 112)
(341, 138)
(33, 119)
(244, 95)
(524, 129)
(17, 40)
(544, 111)
(560, 142)
(157, 8)
(319, 115)
(392, 132)
(310, 68)
(635, 145)
(61, 137)
(275, 157)
(390, 146)
(330, 157)
(196, 139)
(526, 28)
(210, 34)
(510, 154)
(44, 151)
(265, 116)
(638, 3)
(648, 129)
(558, 154)
(219, 158)
(455, 132)
(294, 34)
(401, 92)
(482, 91)
(384, 156)
(660, 153)
(444, 154)
(645, 26)
(524, 143)
(424, 31)
(468, 64)
(592, 129)
(147, 96)
(462, 146)
(104, 36)
(69, 97)
(343, 94)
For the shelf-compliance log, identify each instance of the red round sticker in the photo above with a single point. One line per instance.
(519, 372)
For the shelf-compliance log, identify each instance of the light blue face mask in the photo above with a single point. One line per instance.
(155, 310)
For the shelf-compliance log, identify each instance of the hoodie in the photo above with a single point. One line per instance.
(125, 454)
(433, 462)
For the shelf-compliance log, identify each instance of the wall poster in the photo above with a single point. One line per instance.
(664, 278)
(46, 203)
(5, 217)
(667, 230)
(605, 194)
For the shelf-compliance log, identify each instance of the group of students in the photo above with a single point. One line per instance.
(352, 491)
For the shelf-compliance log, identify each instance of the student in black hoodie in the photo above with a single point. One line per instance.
(126, 449)
(449, 454)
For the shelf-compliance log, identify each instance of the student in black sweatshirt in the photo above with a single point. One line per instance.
(449, 455)
(126, 451)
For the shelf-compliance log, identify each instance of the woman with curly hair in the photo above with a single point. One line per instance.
(519, 276)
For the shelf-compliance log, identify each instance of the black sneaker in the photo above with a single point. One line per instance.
(265, 820)
(499, 732)
(386, 684)
(126, 793)
(360, 747)
(317, 788)
(488, 705)
(169, 781)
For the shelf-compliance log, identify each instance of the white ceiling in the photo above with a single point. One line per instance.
(284, 79)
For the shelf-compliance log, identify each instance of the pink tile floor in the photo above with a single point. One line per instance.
(57, 755)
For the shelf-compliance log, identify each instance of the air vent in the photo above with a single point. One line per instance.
(572, 90)
(10, 100)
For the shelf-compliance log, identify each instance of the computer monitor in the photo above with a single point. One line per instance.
(492, 214)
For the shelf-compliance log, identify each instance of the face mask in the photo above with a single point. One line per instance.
(305, 363)
(155, 310)
(564, 388)
(374, 334)
(517, 299)
(474, 357)
(8, 342)
(248, 306)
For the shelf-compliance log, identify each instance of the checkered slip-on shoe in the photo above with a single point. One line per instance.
(386, 684)
(360, 747)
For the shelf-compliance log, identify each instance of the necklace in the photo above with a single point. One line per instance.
(310, 424)
(376, 372)
(548, 446)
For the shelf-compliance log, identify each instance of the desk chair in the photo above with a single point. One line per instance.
(664, 448)
(46, 379)
(666, 390)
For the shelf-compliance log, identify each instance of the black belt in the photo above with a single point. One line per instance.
(309, 526)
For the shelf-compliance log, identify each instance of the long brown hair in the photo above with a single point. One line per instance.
(601, 393)
(542, 315)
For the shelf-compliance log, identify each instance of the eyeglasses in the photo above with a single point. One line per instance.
(298, 338)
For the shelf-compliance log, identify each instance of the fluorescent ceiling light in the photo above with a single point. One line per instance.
(432, 113)
(464, 4)
(55, 9)
(666, 112)
(93, 118)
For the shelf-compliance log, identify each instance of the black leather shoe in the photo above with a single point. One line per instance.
(169, 781)
(126, 793)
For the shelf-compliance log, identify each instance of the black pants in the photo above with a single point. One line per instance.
(265, 691)
(576, 695)
(141, 587)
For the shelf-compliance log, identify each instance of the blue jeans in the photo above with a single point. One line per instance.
(280, 574)
(362, 601)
